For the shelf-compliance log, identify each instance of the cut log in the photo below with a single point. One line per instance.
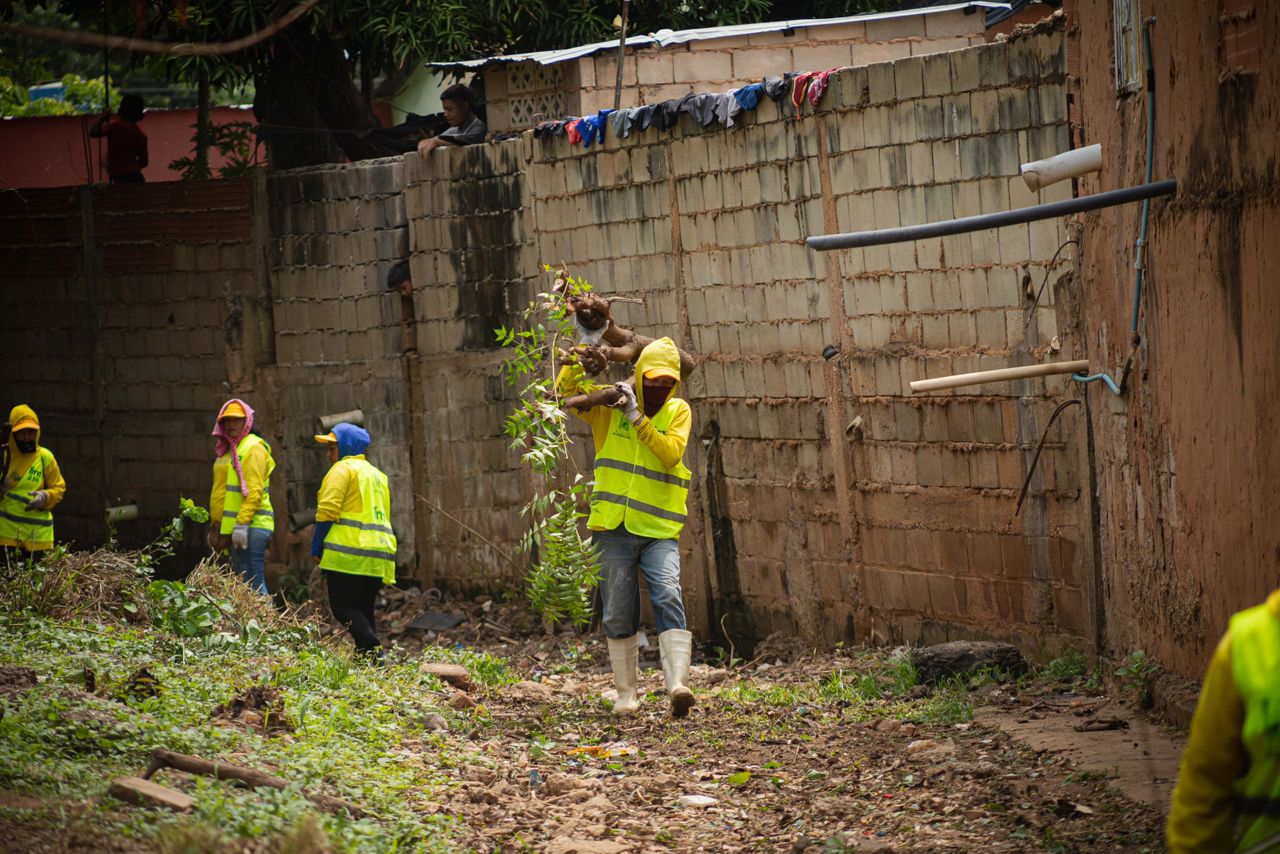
(145, 793)
(251, 777)
(455, 674)
(961, 658)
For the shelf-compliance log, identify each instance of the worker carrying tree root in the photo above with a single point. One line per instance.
(1228, 792)
(353, 539)
(638, 508)
(32, 487)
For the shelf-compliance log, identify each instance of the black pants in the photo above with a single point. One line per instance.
(351, 600)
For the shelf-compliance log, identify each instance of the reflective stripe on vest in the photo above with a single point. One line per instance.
(363, 543)
(633, 487)
(30, 529)
(1255, 665)
(231, 497)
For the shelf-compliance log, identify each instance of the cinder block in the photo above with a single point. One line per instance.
(966, 74)
(821, 57)
(702, 66)
(881, 83)
(908, 78)
(937, 75)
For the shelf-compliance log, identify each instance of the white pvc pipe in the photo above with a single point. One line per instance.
(122, 513)
(1069, 164)
(1000, 375)
(355, 416)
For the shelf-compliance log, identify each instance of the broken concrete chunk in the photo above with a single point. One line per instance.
(960, 658)
(455, 674)
(145, 793)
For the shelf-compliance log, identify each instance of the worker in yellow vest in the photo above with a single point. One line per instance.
(32, 487)
(240, 514)
(1228, 792)
(638, 508)
(353, 539)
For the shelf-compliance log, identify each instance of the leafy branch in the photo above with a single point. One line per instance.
(565, 567)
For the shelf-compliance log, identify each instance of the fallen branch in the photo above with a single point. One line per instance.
(487, 541)
(607, 396)
(250, 777)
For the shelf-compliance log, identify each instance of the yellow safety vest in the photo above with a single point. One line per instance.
(363, 543)
(1255, 664)
(633, 487)
(232, 499)
(30, 529)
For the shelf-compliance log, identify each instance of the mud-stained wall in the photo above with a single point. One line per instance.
(902, 528)
(1187, 459)
(334, 233)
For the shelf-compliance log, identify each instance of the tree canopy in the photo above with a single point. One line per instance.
(319, 73)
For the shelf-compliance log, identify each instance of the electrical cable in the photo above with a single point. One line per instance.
(1040, 447)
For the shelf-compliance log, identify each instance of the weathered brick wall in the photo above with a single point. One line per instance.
(903, 529)
(126, 314)
(1187, 458)
(473, 264)
(334, 233)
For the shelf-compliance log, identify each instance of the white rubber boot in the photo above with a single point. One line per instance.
(676, 646)
(623, 653)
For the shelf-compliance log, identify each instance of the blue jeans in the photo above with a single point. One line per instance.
(621, 552)
(251, 562)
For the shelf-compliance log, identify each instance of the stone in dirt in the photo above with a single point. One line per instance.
(435, 721)
(461, 701)
(530, 692)
(15, 680)
(455, 674)
(960, 658)
(145, 793)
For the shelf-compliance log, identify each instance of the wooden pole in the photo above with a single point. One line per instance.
(622, 55)
(1000, 375)
(251, 777)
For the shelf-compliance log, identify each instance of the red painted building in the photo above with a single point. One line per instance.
(56, 151)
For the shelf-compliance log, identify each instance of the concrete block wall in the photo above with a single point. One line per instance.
(127, 315)
(473, 269)
(334, 233)
(902, 529)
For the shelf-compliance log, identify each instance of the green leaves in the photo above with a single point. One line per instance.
(565, 569)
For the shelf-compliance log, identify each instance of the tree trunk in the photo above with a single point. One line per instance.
(306, 89)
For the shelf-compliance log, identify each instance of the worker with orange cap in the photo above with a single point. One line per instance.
(240, 514)
(31, 488)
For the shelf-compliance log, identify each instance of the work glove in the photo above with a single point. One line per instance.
(588, 336)
(39, 499)
(627, 403)
(240, 536)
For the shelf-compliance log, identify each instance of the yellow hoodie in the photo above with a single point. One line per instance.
(1203, 817)
(14, 486)
(660, 358)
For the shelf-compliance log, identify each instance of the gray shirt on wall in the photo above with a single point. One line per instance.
(470, 134)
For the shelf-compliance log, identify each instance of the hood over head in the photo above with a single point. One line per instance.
(351, 439)
(660, 359)
(221, 441)
(22, 417)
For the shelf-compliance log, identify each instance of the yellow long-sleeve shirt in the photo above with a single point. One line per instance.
(1203, 817)
(20, 464)
(254, 466)
(667, 447)
(340, 492)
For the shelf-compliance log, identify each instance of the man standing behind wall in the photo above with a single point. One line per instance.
(638, 509)
(465, 127)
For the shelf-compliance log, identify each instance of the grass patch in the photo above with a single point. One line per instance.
(357, 731)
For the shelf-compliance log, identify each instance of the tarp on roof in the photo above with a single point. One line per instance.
(665, 38)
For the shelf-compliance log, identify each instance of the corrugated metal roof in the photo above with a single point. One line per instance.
(664, 38)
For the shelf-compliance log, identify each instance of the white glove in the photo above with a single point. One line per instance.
(627, 403)
(588, 336)
(39, 499)
(240, 536)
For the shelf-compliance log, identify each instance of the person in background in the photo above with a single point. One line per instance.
(1228, 793)
(353, 539)
(465, 127)
(32, 487)
(240, 515)
(126, 143)
(638, 509)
